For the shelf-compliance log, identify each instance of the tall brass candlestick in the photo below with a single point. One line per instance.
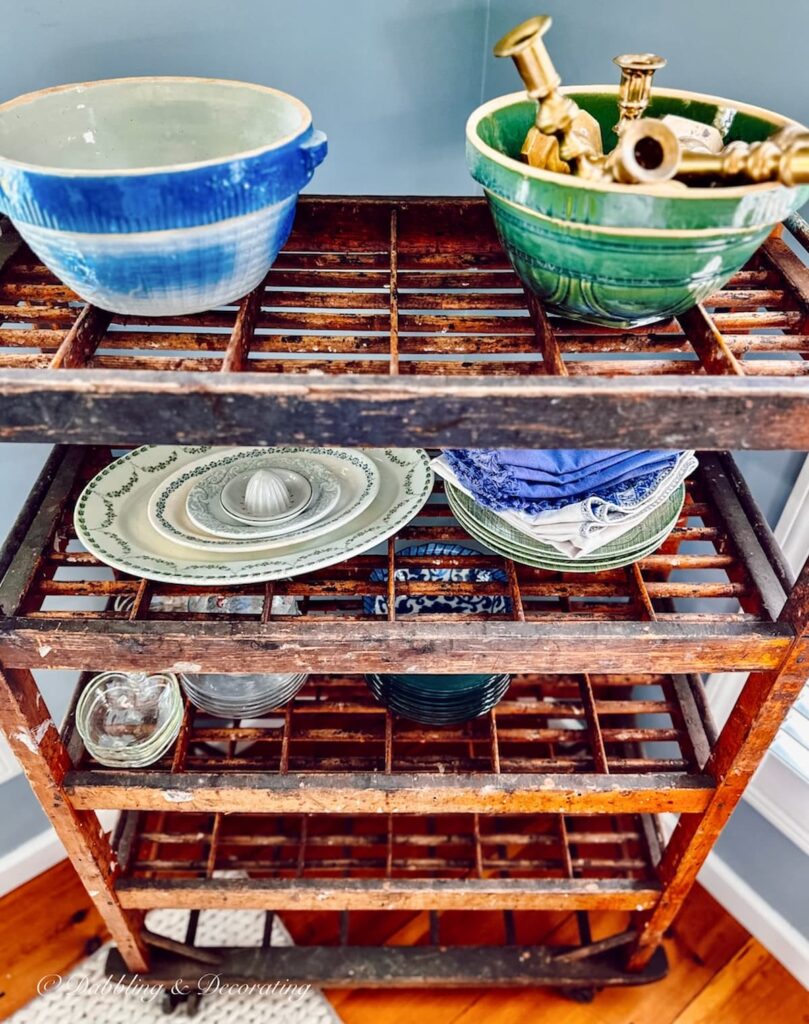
(564, 137)
(635, 90)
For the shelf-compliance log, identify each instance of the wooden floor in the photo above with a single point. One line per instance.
(719, 974)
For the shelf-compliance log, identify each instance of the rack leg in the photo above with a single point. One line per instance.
(750, 729)
(35, 740)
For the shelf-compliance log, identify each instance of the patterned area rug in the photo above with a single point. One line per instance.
(86, 995)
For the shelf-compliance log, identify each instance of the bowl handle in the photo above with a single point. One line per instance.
(314, 149)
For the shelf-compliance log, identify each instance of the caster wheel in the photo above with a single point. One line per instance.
(192, 1004)
(168, 1003)
(581, 995)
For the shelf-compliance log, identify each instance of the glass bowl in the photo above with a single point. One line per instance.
(129, 718)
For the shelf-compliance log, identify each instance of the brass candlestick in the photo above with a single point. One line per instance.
(635, 90)
(564, 137)
(649, 152)
(784, 157)
(635, 93)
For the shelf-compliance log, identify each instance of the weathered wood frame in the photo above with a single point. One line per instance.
(418, 266)
(722, 399)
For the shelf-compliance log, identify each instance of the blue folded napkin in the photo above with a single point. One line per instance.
(627, 482)
(560, 467)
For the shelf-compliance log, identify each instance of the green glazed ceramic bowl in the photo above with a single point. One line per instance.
(622, 255)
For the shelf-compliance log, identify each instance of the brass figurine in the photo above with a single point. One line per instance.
(564, 138)
(635, 90)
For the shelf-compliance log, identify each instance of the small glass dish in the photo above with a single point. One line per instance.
(128, 718)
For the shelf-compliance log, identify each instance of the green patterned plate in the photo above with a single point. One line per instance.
(544, 563)
(659, 521)
(558, 564)
(510, 543)
(111, 521)
(347, 480)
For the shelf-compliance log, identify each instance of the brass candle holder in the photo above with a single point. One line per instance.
(649, 152)
(563, 138)
(566, 139)
(635, 93)
(783, 157)
(635, 90)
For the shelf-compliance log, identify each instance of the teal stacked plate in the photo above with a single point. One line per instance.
(439, 699)
(504, 539)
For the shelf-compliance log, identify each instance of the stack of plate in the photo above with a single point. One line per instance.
(242, 696)
(440, 602)
(207, 516)
(437, 699)
(501, 537)
(206, 506)
(129, 719)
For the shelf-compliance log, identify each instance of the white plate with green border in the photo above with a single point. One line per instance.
(111, 521)
(348, 481)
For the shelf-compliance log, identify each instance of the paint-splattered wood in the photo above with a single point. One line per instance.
(35, 740)
(334, 746)
(82, 339)
(403, 646)
(371, 894)
(145, 406)
(751, 727)
(367, 861)
(401, 967)
(399, 793)
(377, 325)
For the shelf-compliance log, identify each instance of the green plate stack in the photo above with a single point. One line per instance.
(504, 539)
(438, 699)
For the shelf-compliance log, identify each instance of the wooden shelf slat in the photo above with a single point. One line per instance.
(423, 285)
(370, 894)
(367, 862)
(399, 793)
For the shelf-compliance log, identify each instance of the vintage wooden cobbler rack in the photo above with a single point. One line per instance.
(391, 322)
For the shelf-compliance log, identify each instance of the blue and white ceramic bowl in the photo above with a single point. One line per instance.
(156, 196)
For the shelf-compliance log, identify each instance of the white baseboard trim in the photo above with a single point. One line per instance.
(789, 946)
(38, 854)
(29, 859)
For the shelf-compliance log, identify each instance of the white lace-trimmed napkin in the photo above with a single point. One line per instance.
(572, 530)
